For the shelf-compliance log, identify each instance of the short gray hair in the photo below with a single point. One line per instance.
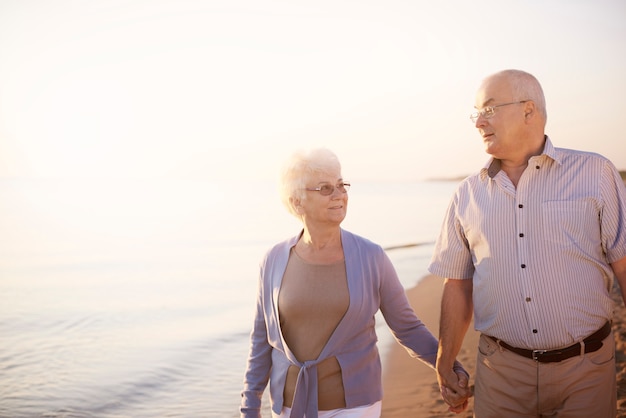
(298, 171)
(525, 86)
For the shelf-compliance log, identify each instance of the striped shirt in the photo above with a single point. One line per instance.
(538, 254)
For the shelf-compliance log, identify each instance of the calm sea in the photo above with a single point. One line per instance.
(135, 298)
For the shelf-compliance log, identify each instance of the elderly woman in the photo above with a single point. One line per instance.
(314, 337)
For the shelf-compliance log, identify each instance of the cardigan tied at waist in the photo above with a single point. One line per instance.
(305, 396)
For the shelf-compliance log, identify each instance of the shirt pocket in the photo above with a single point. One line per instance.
(568, 223)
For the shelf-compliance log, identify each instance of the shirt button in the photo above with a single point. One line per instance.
(527, 299)
(523, 266)
(520, 206)
(537, 167)
(521, 235)
(534, 331)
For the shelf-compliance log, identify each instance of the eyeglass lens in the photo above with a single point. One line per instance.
(327, 189)
(485, 113)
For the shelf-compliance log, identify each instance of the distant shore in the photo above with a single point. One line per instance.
(622, 173)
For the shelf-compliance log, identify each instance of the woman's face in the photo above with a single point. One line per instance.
(320, 209)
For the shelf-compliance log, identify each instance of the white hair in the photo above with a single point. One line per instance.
(525, 86)
(298, 171)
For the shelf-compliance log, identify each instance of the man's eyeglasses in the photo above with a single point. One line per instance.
(489, 111)
(327, 189)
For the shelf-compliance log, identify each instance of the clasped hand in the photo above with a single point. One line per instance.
(455, 391)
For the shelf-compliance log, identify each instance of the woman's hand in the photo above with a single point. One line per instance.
(455, 390)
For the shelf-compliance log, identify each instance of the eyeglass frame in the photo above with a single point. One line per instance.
(492, 109)
(342, 186)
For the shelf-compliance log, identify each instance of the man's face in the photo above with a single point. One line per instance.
(501, 132)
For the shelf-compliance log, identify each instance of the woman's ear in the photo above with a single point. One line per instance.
(297, 204)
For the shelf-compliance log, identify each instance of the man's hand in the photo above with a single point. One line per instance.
(455, 390)
(456, 315)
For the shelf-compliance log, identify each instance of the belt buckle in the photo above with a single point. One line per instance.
(537, 353)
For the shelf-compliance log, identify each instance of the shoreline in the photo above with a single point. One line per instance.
(410, 387)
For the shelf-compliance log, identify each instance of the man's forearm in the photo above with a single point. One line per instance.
(456, 315)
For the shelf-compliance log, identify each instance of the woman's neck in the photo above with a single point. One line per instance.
(321, 246)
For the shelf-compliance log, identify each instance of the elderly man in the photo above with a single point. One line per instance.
(531, 245)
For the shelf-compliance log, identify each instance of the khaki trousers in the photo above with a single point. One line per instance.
(509, 385)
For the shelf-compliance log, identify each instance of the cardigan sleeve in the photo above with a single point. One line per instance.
(405, 326)
(259, 362)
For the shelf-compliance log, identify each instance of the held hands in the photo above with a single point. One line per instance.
(455, 390)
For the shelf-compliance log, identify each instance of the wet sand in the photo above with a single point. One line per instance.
(410, 387)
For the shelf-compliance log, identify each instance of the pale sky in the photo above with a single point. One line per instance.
(227, 89)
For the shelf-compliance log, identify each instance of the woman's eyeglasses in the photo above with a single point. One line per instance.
(327, 189)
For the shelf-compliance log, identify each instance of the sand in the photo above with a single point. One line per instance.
(410, 387)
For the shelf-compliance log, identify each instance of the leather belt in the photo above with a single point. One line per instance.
(592, 343)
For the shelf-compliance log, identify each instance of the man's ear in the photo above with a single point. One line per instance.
(529, 110)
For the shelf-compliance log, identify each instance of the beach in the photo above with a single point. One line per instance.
(410, 387)
(144, 308)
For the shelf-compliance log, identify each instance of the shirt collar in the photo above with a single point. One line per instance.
(494, 165)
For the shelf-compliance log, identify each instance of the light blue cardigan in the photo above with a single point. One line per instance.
(373, 284)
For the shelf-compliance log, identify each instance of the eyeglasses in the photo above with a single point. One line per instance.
(327, 189)
(489, 111)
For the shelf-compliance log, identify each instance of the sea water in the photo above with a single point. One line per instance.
(135, 298)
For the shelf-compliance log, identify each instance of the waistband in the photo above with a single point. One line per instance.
(591, 343)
